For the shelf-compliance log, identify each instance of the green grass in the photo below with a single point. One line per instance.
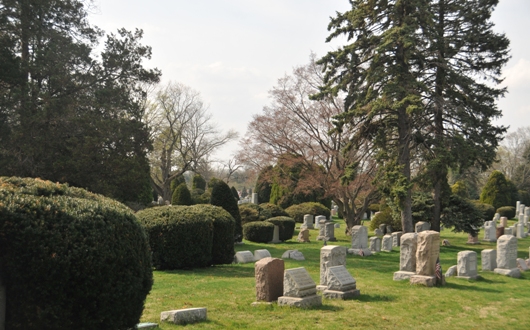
(492, 302)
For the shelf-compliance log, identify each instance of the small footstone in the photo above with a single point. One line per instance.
(514, 272)
(184, 316)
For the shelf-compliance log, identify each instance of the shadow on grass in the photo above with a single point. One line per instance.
(330, 308)
(375, 298)
(457, 286)
(216, 271)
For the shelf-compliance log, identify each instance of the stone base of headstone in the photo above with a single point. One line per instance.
(366, 252)
(332, 294)
(147, 325)
(321, 288)
(428, 281)
(403, 275)
(184, 316)
(305, 302)
(451, 271)
(515, 272)
(331, 239)
(468, 277)
(261, 303)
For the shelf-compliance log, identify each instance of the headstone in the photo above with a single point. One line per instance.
(243, 257)
(382, 227)
(489, 259)
(407, 257)
(329, 232)
(467, 265)
(319, 218)
(389, 229)
(299, 289)
(276, 235)
(160, 200)
(490, 231)
(378, 232)
(451, 271)
(303, 236)
(396, 238)
(337, 225)
(508, 231)
(321, 230)
(387, 243)
(330, 255)
(308, 221)
(499, 232)
(184, 316)
(317, 224)
(517, 206)
(255, 198)
(504, 222)
(422, 226)
(497, 217)
(341, 285)
(507, 256)
(375, 244)
(359, 241)
(293, 254)
(269, 279)
(521, 264)
(519, 229)
(260, 254)
(472, 240)
(427, 253)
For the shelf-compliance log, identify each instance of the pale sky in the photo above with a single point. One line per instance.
(234, 51)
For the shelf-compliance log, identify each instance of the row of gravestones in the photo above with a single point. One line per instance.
(295, 287)
(519, 230)
(326, 228)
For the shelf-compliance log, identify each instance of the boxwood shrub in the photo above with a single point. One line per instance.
(269, 210)
(70, 259)
(259, 232)
(507, 211)
(487, 210)
(298, 211)
(249, 213)
(286, 226)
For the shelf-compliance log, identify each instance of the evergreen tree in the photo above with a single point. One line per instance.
(244, 192)
(181, 195)
(499, 191)
(234, 192)
(177, 181)
(264, 185)
(222, 196)
(198, 182)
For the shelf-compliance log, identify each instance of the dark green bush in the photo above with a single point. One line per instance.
(198, 182)
(177, 181)
(286, 226)
(462, 215)
(507, 211)
(298, 211)
(222, 196)
(487, 210)
(179, 236)
(223, 233)
(499, 191)
(259, 232)
(199, 196)
(385, 217)
(269, 210)
(181, 195)
(70, 259)
(234, 192)
(249, 213)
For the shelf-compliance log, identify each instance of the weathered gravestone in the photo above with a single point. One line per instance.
(269, 279)
(255, 198)
(243, 257)
(382, 228)
(490, 231)
(303, 236)
(293, 254)
(321, 230)
(497, 217)
(375, 244)
(519, 230)
(489, 259)
(308, 221)
(467, 265)
(387, 243)
(521, 264)
(504, 222)
(341, 285)
(507, 256)
(330, 255)
(396, 238)
(184, 316)
(260, 254)
(329, 232)
(407, 257)
(427, 254)
(359, 241)
(422, 226)
(299, 289)
(319, 218)
(472, 240)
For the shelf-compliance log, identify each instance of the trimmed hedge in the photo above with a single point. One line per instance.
(70, 259)
(385, 217)
(222, 196)
(507, 211)
(189, 236)
(298, 211)
(488, 211)
(181, 195)
(286, 226)
(269, 210)
(259, 232)
(249, 213)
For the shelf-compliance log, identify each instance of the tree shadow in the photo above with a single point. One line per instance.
(375, 298)
(463, 287)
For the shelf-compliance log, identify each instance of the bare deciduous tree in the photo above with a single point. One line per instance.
(183, 134)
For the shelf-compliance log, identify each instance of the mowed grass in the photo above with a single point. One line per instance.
(491, 302)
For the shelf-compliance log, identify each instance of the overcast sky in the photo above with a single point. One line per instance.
(234, 51)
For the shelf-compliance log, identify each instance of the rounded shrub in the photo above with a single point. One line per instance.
(198, 182)
(181, 195)
(222, 196)
(286, 226)
(384, 217)
(488, 211)
(249, 213)
(507, 211)
(259, 232)
(298, 211)
(269, 210)
(70, 259)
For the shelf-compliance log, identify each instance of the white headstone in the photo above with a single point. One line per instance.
(330, 255)
(243, 257)
(255, 198)
(490, 231)
(422, 226)
(489, 259)
(506, 252)
(467, 264)
(387, 243)
(260, 254)
(308, 221)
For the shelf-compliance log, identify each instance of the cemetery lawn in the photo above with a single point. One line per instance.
(492, 302)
